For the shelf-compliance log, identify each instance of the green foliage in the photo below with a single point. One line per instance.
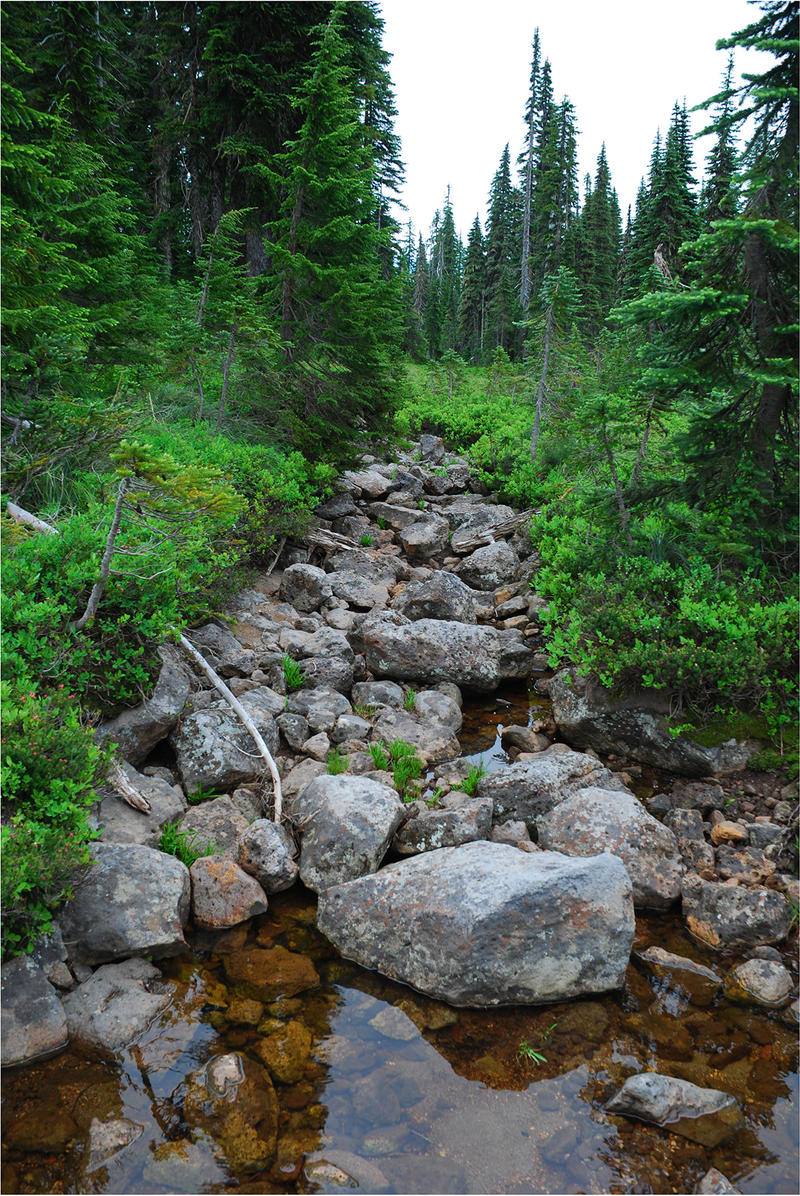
(528, 1053)
(293, 674)
(184, 845)
(470, 783)
(366, 540)
(42, 863)
(337, 763)
(379, 756)
(409, 699)
(405, 767)
(201, 795)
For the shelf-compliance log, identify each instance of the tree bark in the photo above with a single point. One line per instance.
(540, 393)
(105, 564)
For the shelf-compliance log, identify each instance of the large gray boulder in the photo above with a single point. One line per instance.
(441, 596)
(267, 852)
(433, 650)
(116, 1003)
(216, 823)
(530, 788)
(137, 731)
(725, 916)
(33, 1024)
(134, 901)
(432, 829)
(594, 820)
(346, 824)
(490, 567)
(121, 823)
(587, 716)
(214, 749)
(485, 924)
(320, 707)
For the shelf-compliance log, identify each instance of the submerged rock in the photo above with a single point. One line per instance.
(233, 1101)
(759, 982)
(485, 924)
(700, 984)
(703, 1115)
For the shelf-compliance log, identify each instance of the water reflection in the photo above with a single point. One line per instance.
(390, 1091)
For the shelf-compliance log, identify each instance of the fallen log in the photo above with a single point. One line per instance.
(488, 535)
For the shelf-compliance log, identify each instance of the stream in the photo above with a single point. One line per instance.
(401, 1093)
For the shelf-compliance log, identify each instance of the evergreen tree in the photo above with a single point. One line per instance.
(726, 347)
(600, 241)
(472, 309)
(338, 313)
(531, 112)
(719, 194)
(502, 260)
(555, 199)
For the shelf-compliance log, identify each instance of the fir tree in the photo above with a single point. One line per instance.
(502, 259)
(338, 313)
(472, 309)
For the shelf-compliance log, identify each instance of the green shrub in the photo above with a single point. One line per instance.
(410, 699)
(41, 866)
(200, 795)
(405, 767)
(366, 540)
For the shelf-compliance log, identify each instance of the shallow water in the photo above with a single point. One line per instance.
(403, 1094)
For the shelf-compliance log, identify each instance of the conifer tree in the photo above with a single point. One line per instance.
(719, 194)
(472, 309)
(502, 260)
(338, 313)
(600, 246)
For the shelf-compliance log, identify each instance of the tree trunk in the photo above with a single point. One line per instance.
(540, 393)
(105, 565)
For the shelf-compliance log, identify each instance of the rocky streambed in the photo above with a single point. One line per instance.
(570, 972)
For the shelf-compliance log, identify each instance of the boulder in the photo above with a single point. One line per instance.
(367, 482)
(433, 650)
(519, 928)
(359, 591)
(489, 567)
(431, 448)
(425, 538)
(350, 727)
(217, 822)
(725, 916)
(337, 507)
(213, 748)
(378, 693)
(445, 828)
(267, 852)
(223, 894)
(587, 716)
(223, 651)
(121, 823)
(305, 587)
(432, 739)
(439, 707)
(319, 707)
(759, 982)
(441, 596)
(346, 824)
(137, 731)
(524, 739)
(116, 1004)
(33, 1024)
(530, 788)
(594, 820)
(134, 901)
(703, 1115)
(294, 729)
(395, 516)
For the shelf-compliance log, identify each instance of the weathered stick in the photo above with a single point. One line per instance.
(20, 515)
(126, 790)
(489, 534)
(237, 706)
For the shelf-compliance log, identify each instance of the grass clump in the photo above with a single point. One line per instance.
(406, 768)
(337, 763)
(200, 795)
(470, 783)
(410, 699)
(366, 540)
(293, 674)
(184, 845)
(379, 756)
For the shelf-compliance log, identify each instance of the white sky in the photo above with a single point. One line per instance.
(461, 68)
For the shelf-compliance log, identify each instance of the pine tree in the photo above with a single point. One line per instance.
(338, 313)
(718, 198)
(600, 241)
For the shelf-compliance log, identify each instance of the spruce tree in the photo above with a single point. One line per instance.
(472, 309)
(338, 312)
(502, 260)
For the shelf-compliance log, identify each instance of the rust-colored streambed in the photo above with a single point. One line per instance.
(402, 1094)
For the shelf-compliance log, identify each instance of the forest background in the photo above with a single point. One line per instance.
(209, 307)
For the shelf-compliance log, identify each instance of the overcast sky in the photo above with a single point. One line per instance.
(461, 69)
